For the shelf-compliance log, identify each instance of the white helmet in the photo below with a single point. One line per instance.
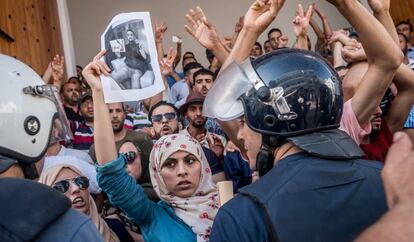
(28, 110)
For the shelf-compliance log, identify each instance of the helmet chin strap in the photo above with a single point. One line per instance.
(265, 158)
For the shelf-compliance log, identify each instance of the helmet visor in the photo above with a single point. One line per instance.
(60, 129)
(223, 99)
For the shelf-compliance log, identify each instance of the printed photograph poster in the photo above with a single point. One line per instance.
(132, 57)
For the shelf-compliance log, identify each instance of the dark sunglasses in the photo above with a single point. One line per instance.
(64, 185)
(168, 116)
(130, 156)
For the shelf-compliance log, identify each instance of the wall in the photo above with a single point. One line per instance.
(34, 25)
(89, 19)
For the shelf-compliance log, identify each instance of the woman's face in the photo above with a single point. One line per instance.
(181, 173)
(133, 167)
(78, 196)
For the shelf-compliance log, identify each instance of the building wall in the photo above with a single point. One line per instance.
(89, 19)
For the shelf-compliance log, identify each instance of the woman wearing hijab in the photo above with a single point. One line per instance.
(69, 180)
(179, 173)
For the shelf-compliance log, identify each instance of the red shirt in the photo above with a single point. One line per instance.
(378, 147)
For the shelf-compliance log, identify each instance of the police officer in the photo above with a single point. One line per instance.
(313, 185)
(31, 211)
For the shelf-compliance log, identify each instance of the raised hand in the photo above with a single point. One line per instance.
(261, 14)
(57, 66)
(327, 30)
(215, 145)
(160, 31)
(283, 41)
(94, 69)
(352, 54)
(239, 25)
(166, 64)
(301, 21)
(201, 29)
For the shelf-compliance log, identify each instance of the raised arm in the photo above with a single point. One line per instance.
(205, 33)
(382, 65)
(300, 27)
(103, 134)
(259, 16)
(159, 38)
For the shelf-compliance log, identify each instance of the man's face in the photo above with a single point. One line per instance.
(267, 47)
(376, 120)
(274, 38)
(252, 141)
(164, 126)
(405, 30)
(195, 115)
(403, 44)
(71, 93)
(202, 84)
(86, 109)
(117, 116)
(130, 36)
(256, 51)
(190, 74)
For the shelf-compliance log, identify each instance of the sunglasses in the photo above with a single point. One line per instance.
(64, 185)
(130, 156)
(168, 116)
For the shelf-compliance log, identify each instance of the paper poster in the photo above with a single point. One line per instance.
(132, 57)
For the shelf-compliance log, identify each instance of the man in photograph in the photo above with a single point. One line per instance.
(137, 72)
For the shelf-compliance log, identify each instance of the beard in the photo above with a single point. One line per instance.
(197, 123)
(119, 127)
(158, 135)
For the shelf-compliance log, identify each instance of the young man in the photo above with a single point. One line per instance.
(180, 90)
(193, 111)
(121, 134)
(83, 131)
(406, 28)
(273, 36)
(70, 92)
(257, 50)
(202, 81)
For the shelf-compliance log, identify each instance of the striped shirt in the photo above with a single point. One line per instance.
(82, 136)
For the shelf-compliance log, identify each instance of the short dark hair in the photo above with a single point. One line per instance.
(203, 72)
(159, 104)
(266, 41)
(190, 66)
(407, 22)
(258, 44)
(273, 30)
(189, 53)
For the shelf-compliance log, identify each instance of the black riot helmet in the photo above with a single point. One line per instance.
(286, 95)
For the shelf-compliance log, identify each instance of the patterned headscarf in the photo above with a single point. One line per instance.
(198, 210)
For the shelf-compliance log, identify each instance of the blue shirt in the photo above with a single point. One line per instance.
(157, 221)
(305, 198)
